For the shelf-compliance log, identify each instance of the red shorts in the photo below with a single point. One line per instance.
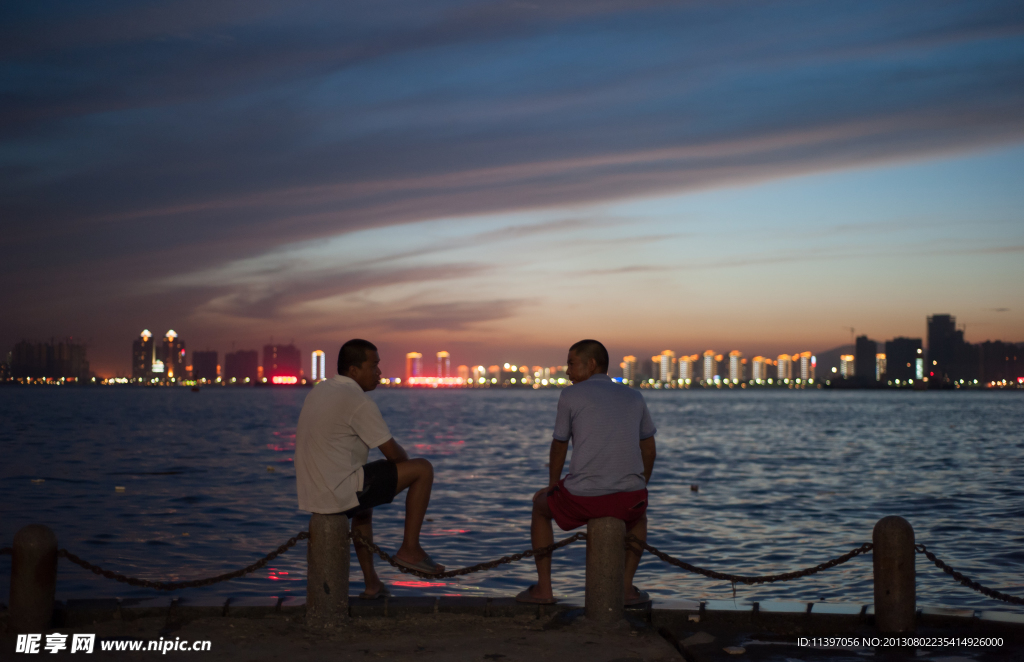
(571, 511)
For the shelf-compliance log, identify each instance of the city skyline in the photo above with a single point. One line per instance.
(506, 178)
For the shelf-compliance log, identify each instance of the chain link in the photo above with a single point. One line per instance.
(174, 586)
(487, 565)
(765, 579)
(967, 581)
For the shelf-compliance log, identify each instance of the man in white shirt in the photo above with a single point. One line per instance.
(338, 426)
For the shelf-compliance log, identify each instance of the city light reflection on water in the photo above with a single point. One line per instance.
(786, 480)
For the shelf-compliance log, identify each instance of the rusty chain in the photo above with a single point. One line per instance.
(487, 565)
(742, 579)
(967, 581)
(174, 586)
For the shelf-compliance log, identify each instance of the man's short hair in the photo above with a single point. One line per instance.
(353, 353)
(592, 349)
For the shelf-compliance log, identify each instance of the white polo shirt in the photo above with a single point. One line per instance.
(338, 426)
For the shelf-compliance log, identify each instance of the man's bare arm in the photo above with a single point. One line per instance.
(648, 453)
(393, 451)
(559, 449)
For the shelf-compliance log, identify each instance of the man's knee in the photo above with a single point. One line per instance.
(540, 503)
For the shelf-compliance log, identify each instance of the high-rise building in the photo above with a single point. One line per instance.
(808, 362)
(628, 366)
(710, 366)
(204, 367)
(172, 351)
(241, 367)
(735, 366)
(879, 366)
(942, 345)
(686, 375)
(784, 367)
(760, 369)
(143, 356)
(282, 364)
(444, 364)
(479, 375)
(864, 356)
(464, 373)
(53, 360)
(847, 366)
(413, 366)
(666, 366)
(904, 359)
(318, 369)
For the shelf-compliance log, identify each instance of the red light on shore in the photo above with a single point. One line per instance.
(284, 379)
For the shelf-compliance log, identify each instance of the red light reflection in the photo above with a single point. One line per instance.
(418, 584)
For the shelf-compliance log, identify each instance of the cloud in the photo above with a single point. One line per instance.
(452, 316)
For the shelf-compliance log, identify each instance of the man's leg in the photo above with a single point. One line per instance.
(418, 477)
(542, 535)
(362, 525)
(633, 552)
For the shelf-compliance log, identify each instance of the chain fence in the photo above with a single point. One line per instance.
(512, 558)
(967, 581)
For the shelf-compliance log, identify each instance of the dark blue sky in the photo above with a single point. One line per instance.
(498, 178)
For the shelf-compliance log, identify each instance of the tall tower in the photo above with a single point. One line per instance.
(667, 366)
(628, 366)
(143, 356)
(864, 357)
(784, 367)
(319, 367)
(444, 364)
(413, 366)
(710, 367)
(173, 355)
(736, 366)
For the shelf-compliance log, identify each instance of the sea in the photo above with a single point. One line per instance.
(169, 484)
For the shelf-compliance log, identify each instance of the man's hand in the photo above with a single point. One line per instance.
(648, 453)
(556, 461)
(393, 451)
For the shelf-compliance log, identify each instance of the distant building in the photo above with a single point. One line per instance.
(666, 366)
(784, 367)
(282, 364)
(318, 367)
(1001, 362)
(943, 340)
(879, 367)
(172, 353)
(686, 368)
(444, 364)
(808, 363)
(710, 366)
(904, 359)
(464, 373)
(413, 365)
(241, 367)
(864, 357)
(53, 360)
(204, 367)
(847, 366)
(144, 356)
(759, 369)
(735, 366)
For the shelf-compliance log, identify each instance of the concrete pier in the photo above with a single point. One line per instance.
(606, 559)
(327, 576)
(33, 579)
(895, 590)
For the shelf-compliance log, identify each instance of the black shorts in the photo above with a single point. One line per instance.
(380, 481)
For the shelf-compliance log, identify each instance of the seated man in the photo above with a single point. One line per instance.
(337, 428)
(612, 459)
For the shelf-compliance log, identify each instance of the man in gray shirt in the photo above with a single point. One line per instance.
(612, 459)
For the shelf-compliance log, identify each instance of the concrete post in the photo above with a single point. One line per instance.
(606, 560)
(893, 555)
(33, 579)
(327, 558)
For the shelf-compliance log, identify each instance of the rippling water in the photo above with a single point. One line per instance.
(788, 479)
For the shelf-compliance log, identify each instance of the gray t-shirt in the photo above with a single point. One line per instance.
(606, 422)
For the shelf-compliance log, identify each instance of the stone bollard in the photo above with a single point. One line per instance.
(893, 556)
(327, 558)
(606, 560)
(33, 579)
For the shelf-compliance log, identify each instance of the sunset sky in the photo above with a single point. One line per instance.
(501, 179)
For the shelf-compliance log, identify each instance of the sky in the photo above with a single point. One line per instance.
(501, 179)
